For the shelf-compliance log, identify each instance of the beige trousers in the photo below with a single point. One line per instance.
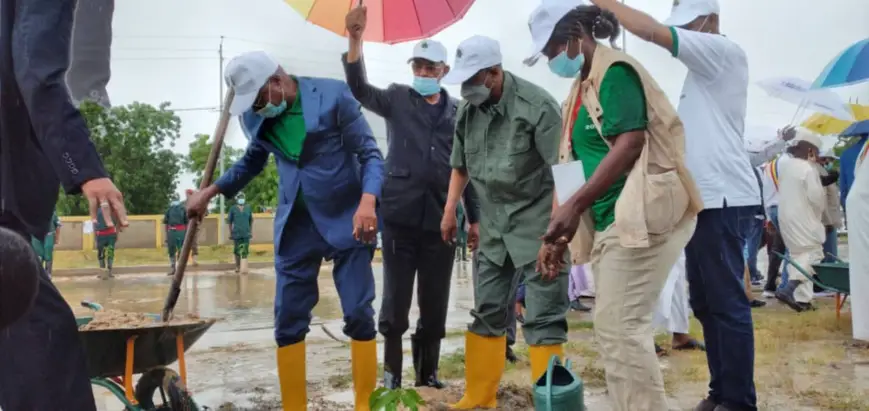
(629, 282)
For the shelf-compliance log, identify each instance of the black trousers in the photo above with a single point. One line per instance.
(409, 253)
(42, 363)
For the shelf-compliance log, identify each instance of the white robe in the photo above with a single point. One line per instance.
(802, 201)
(671, 314)
(857, 209)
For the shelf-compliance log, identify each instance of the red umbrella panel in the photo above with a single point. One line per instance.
(389, 21)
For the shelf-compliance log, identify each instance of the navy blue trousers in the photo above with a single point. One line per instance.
(297, 266)
(715, 266)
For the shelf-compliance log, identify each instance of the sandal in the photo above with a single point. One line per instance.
(660, 352)
(692, 344)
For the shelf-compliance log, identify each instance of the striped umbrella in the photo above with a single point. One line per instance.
(851, 66)
(389, 21)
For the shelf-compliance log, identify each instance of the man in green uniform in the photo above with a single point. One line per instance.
(507, 138)
(45, 249)
(240, 220)
(461, 234)
(175, 221)
(106, 235)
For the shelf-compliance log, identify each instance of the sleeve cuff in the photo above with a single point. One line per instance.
(675, 34)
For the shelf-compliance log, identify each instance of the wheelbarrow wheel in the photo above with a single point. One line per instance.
(173, 394)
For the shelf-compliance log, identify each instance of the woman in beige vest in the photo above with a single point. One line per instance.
(637, 209)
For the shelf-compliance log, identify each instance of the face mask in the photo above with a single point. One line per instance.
(270, 110)
(566, 67)
(426, 86)
(828, 166)
(240, 201)
(476, 95)
(176, 202)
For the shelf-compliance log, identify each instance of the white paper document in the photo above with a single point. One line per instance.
(87, 227)
(569, 177)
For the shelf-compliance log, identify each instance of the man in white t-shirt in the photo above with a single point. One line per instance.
(712, 108)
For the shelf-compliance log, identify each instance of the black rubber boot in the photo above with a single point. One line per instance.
(786, 295)
(48, 268)
(416, 353)
(392, 357)
(427, 372)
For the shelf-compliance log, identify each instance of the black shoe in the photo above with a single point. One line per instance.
(576, 305)
(429, 353)
(757, 303)
(706, 405)
(511, 356)
(392, 358)
(786, 295)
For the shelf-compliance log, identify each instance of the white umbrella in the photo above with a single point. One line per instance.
(800, 92)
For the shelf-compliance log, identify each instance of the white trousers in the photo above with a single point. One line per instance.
(671, 313)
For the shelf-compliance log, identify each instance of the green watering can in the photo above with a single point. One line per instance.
(559, 389)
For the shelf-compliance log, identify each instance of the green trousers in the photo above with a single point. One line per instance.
(546, 302)
(241, 247)
(174, 242)
(106, 249)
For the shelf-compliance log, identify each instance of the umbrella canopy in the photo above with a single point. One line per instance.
(851, 66)
(859, 128)
(389, 21)
(800, 92)
(824, 124)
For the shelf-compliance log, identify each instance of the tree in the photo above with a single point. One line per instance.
(132, 141)
(261, 193)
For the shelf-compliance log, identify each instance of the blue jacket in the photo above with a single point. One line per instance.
(847, 163)
(339, 161)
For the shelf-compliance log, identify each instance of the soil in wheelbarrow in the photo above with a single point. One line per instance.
(120, 320)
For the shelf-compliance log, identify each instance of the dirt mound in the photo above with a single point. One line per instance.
(118, 320)
(511, 397)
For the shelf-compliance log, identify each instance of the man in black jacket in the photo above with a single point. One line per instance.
(420, 122)
(44, 143)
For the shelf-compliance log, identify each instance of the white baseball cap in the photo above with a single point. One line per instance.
(542, 22)
(431, 50)
(246, 74)
(685, 11)
(803, 134)
(472, 55)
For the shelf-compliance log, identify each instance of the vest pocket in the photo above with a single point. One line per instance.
(666, 201)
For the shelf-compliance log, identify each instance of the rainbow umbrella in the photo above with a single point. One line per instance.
(849, 67)
(389, 21)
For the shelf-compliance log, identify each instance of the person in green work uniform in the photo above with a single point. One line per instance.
(240, 220)
(175, 221)
(506, 140)
(45, 249)
(461, 235)
(106, 235)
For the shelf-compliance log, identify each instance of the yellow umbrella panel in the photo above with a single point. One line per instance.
(826, 125)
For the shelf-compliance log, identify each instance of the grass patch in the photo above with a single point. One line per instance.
(835, 400)
(340, 381)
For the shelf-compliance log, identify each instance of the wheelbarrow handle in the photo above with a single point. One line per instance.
(91, 305)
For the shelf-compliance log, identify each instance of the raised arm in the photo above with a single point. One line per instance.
(639, 24)
(372, 98)
(244, 170)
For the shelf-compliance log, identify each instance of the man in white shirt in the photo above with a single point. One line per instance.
(857, 215)
(712, 108)
(801, 204)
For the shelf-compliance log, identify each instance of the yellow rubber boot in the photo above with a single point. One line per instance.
(291, 374)
(363, 355)
(540, 355)
(484, 366)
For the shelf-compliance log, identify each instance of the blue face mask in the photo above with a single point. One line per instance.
(566, 67)
(426, 86)
(240, 201)
(270, 110)
(828, 166)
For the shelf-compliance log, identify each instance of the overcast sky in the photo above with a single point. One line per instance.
(167, 50)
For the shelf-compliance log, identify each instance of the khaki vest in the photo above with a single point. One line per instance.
(659, 192)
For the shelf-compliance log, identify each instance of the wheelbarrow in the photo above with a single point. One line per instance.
(115, 355)
(832, 277)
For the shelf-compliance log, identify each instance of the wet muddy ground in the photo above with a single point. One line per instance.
(804, 362)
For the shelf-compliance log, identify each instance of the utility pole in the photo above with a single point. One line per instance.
(220, 222)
